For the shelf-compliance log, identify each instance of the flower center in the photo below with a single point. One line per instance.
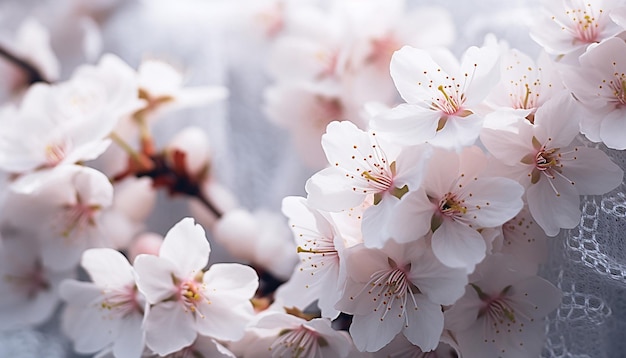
(56, 152)
(298, 343)
(619, 88)
(450, 206)
(450, 103)
(191, 295)
(548, 161)
(78, 217)
(585, 22)
(121, 302)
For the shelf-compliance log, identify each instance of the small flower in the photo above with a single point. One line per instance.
(398, 289)
(502, 311)
(554, 171)
(441, 96)
(105, 313)
(567, 27)
(184, 300)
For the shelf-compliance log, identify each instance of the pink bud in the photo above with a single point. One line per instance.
(146, 243)
(237, 231)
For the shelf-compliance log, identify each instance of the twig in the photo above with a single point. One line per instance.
(33, 74)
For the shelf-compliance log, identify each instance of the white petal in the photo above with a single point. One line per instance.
(224, 318)
(439, 283)
(375, 222)
(592, 171)
(107, 267)
(493, 202)
(552, 211)
(169, 328)
(154, 277)
(425, 324)
(407, 124)
(457, 245)
(371, 332)
(412, 217)
(236, 280)
(612, 130)
(327, 190)
(186, 246)
(130, 342)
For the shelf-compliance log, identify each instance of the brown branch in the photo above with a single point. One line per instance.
(32, 73)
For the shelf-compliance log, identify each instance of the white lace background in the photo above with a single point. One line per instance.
(256, 161)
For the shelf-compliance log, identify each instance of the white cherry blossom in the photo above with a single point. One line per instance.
(441, 96)
(362, 165)
(600, 85)
(66, 123)
(502, 311)
(319, 274)
(567, 27)
(456, 200)
(184, 300)
(108, 312)
(398, 289)
(555, 172)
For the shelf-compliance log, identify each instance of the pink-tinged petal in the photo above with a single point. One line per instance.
(592, 171)
(339, 141)
(154, 277)
(339, 342)
(457, 245)
(371, 332)
(185, 245)
(524, 238)
(464, 312)
(441, 284)
(222, 318)
(507, 146)
(303, 218)
(375, 222)
(440, 178)
(493, 202)
(130, 342)
(536, 296)
(236, 280)
(425, 324)
(362, 262)
(554, 211)
(613, 128)
(407, 124)
(107, 267)
(79, 293)
(557, 121)
(412, 217)
(328, 190)
(169, 328)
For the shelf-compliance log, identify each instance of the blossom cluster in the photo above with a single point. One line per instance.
(440, 181)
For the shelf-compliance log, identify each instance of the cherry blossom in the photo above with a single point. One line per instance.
(555, 172)
(319, 275)
(456, 200)
(441, 96)
(567, 27)
(107, 312)
(291, 336)
(398, 289)
(68, 122)
(363, 165)
(599, 84)
(29, 290)
(502, 311)
(184, 300)
(524, 86)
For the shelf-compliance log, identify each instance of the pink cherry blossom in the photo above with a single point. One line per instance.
(502, 311)
(555, 172)
(600, 85)
(398, 289)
